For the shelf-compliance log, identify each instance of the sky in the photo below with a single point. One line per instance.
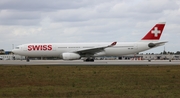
(66, 21)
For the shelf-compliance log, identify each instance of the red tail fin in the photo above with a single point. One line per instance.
(155, 32)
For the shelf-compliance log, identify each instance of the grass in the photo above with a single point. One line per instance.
(89, 81)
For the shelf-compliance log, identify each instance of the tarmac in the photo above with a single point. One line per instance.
(97, 62)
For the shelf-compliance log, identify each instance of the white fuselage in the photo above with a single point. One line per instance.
(74, 51)
(56, 49)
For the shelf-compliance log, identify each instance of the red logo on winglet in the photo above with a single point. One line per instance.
(114, 43)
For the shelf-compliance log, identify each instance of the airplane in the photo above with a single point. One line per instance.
(76, 51)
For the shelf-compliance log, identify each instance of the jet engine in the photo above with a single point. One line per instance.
(70, 56)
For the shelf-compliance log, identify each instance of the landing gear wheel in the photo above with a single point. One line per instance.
(92, 60)
(27, 59)
(89, 60)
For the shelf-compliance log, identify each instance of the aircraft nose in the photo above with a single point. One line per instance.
(14, 51)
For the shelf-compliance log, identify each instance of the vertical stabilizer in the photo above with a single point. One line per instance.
(155, 32)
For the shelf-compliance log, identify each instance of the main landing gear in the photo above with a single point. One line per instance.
(27, 59)
(89, 60)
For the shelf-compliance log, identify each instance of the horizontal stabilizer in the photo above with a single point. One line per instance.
(155, 44)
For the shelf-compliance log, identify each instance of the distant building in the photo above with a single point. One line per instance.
(150, 57)
(2, 51)
(12, 57)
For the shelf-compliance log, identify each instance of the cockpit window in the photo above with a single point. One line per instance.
(17, 48)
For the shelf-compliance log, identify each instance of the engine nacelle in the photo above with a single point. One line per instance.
(71, 56)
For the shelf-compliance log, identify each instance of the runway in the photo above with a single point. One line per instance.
(97, 62)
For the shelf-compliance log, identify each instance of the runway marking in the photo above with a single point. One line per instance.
(97, 62)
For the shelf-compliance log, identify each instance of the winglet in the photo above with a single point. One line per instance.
(113, 44)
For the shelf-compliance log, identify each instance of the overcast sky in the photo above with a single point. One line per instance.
(65, 21)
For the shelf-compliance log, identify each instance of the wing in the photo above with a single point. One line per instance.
(92, 51)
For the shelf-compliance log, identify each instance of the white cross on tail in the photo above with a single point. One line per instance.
(156, 32)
